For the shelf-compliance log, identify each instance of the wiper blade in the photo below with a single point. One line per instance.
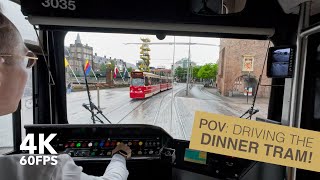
(92, 106)
(95, 114)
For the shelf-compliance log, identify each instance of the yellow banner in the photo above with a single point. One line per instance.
(257, 141)
(66, 63)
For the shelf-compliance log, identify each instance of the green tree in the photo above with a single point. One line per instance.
(130, 69)
(103, 68)
(113, 64)
(208, 71)
(195, 71)
(181, 73)
(215, 71)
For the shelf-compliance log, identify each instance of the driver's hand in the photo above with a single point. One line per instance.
(123, 150)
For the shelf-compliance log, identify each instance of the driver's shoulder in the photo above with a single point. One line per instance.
(10, 166)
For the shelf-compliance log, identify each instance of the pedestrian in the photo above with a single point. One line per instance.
(15, 59)
(69, 88)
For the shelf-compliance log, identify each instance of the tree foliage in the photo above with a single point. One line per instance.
(103, 68)
(208, 71)
(195, 71)
(181, 73)
(130, 69)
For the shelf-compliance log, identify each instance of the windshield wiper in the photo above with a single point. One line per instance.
(91, 106)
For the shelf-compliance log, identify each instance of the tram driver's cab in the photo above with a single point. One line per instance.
(156, 154)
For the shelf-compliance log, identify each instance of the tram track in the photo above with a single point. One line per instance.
(159, 109)
(179, 115)
(163, 96)
(143, 101)
(175, 106)
(132, 101)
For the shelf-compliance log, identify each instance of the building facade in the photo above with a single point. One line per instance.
(98, 61)
(239, 67)
(183, 63)
(79, 53)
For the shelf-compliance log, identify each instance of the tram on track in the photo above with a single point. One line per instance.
(144, 84)
(158, 152)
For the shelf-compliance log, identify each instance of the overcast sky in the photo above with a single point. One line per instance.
(112, 45)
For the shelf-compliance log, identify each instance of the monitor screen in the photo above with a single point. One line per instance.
(280, 62)
(195, 156)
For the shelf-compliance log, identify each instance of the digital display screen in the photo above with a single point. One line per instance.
(137, 74)
(280, 62)
(195, 156)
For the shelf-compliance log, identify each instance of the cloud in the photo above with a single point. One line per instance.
(113, 45)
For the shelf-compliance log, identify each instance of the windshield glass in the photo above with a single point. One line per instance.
(137, 82)
(175, 77)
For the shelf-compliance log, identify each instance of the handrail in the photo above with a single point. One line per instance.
(310, 31)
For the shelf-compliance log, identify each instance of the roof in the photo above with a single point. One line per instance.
(130, 65)
(100, 60)
(78, 40)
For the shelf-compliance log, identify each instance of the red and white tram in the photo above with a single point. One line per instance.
(144, 84)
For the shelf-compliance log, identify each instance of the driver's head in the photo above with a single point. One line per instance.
(13, 66)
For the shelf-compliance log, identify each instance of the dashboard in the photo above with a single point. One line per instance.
(155, 154)
(92, 142)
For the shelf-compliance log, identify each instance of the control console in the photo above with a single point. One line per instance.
(90, 142)
(155, 154)
(103, 147)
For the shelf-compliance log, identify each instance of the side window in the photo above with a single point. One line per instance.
(6, 140)
(146, 81)
(317, 89)
(13, 12)
(318, 54)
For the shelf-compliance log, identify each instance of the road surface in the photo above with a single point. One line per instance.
(170, 110)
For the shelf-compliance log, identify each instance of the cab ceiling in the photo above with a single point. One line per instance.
(256, 21)
(292, 6)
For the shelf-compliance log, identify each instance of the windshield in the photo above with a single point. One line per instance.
(137, 82)
(175, 77)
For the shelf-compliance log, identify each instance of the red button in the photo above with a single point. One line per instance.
(72, 144)
(84, 144)
(66, 145)
(107, 144)
(135, 143)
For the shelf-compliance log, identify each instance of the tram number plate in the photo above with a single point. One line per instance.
(60, 4)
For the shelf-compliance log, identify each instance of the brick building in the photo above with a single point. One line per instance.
(240, 65)
(78, 54)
